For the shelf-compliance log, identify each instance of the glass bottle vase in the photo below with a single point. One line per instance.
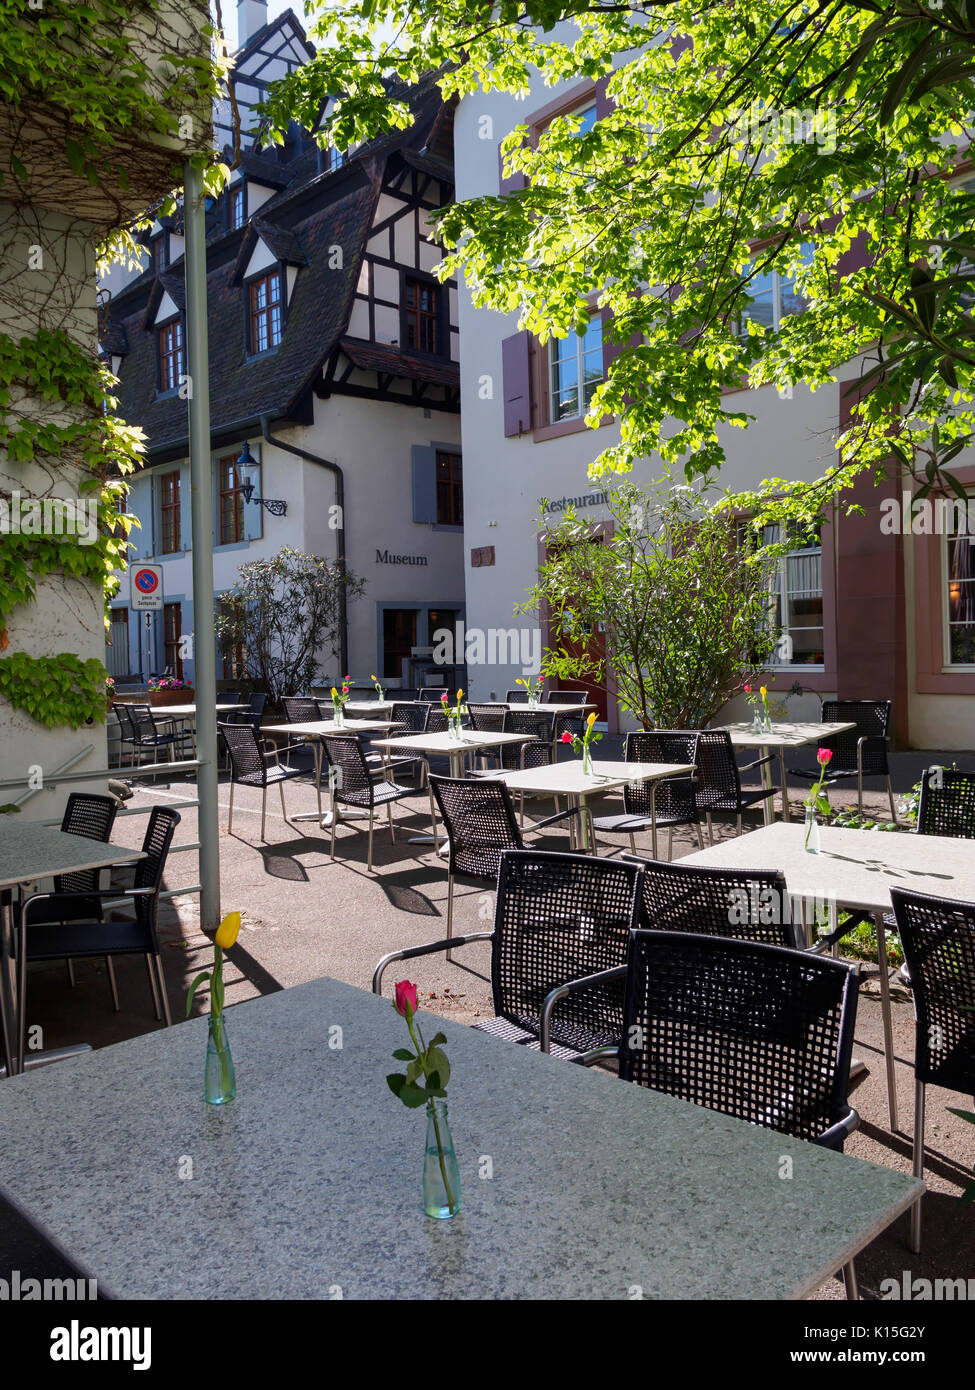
(810, 841)
(339, 716)
(219, 1082)
(441, 1175)
(586, 761)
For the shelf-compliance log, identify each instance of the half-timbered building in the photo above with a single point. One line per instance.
(333, 366)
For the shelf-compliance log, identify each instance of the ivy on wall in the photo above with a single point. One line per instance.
(108, 96)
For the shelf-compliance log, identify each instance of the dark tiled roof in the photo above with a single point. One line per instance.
(265, 168)
(242, 388)
(377, 357)
(281, 241)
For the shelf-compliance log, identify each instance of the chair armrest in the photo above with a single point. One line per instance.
(598, 1054)
(559, 815)
(101, 893)
(428, 950)
(836, 1134)
(882, 739)
(618, 972)
(759, 762)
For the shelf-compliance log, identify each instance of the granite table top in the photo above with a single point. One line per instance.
(575, 1185)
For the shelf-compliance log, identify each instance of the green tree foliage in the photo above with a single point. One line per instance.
(831, 123)
(677, 593)
(284, 612)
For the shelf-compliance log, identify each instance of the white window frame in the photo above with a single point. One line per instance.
(782, 571)
(949, 667)
(553, 360)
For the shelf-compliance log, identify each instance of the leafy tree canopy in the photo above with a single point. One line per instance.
(834, 124)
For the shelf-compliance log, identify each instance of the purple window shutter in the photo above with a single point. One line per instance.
(604, 104)
(509, 185)
(516, 383)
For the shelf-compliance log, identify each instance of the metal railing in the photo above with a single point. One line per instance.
(63, 774)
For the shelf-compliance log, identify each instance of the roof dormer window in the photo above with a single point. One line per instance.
(266, 311)
(238, 206)
(170, 355)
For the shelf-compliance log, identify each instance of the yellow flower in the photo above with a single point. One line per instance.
(227, 930)
(592, 719)
(372, 678)
(334, 691)
(459, 694)
(763, 690)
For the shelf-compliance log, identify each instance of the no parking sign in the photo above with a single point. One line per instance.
(146, 585)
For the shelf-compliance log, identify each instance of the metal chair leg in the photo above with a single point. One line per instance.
(111, 981)
(710, 827)
(71, 979)
(392, 828)
(632, 843)
(700, 837)
(263, 809)
(850, 1280)
(890, 798)
(369, 854)
(230, 823)
(150, 971)
(914, 1236)
(738, 823)
(670, 844)
(450, 911)
(162, 992)
(335, 821)
(284, 809)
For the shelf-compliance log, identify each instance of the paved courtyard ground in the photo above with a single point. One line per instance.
(305, 916)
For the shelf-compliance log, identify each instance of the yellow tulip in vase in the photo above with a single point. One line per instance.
(219, 1083)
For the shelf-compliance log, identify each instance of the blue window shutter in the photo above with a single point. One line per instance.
(424, 483)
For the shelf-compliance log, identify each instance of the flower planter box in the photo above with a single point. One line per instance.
(186, 696)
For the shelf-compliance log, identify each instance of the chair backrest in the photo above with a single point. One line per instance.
(560, 917)
(947, 805)
(745, 904)
(567, 697)
(93, 816)
(480, 823)
(228, 697)
(349, 778)
(256, 703)
(756, 1031)
(871, 720)
(301, 709)
(247, 764)
(144, 727)
(518, 696)
(121, 712)
(717, 771)
(675, 798)
(411, 716)
(163, 821)
(540, 726)
(431, 692)
(436, 720)
(938, 936)
(486, 719)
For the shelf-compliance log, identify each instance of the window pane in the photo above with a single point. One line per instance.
(565, 389)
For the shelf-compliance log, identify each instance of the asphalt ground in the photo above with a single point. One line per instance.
(305, 915)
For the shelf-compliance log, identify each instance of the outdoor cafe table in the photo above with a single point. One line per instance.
(568, 779)
(856, 870)
(309, 1184)
(30, 851)
(315, 730)
(783, 735)
(442, 745)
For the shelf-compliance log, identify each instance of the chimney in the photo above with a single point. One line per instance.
(251, 16)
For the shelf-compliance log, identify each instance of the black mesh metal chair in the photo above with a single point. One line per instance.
(938, 937)
(558, 916)
(431, 692)
(147, 732)
(657, 805)
(947, 804)
(249, 768)
(745, 904)
(517, 696)
(480, 824)
(351, 783)
(49, 930)
(719, 778)
(568, 723)
(760, 1032)
(858, 752)
(302, 709)
(228, 697)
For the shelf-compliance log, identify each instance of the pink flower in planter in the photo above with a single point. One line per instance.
(566, 737)
(443, 698)
(405, 998)
(824, 755)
